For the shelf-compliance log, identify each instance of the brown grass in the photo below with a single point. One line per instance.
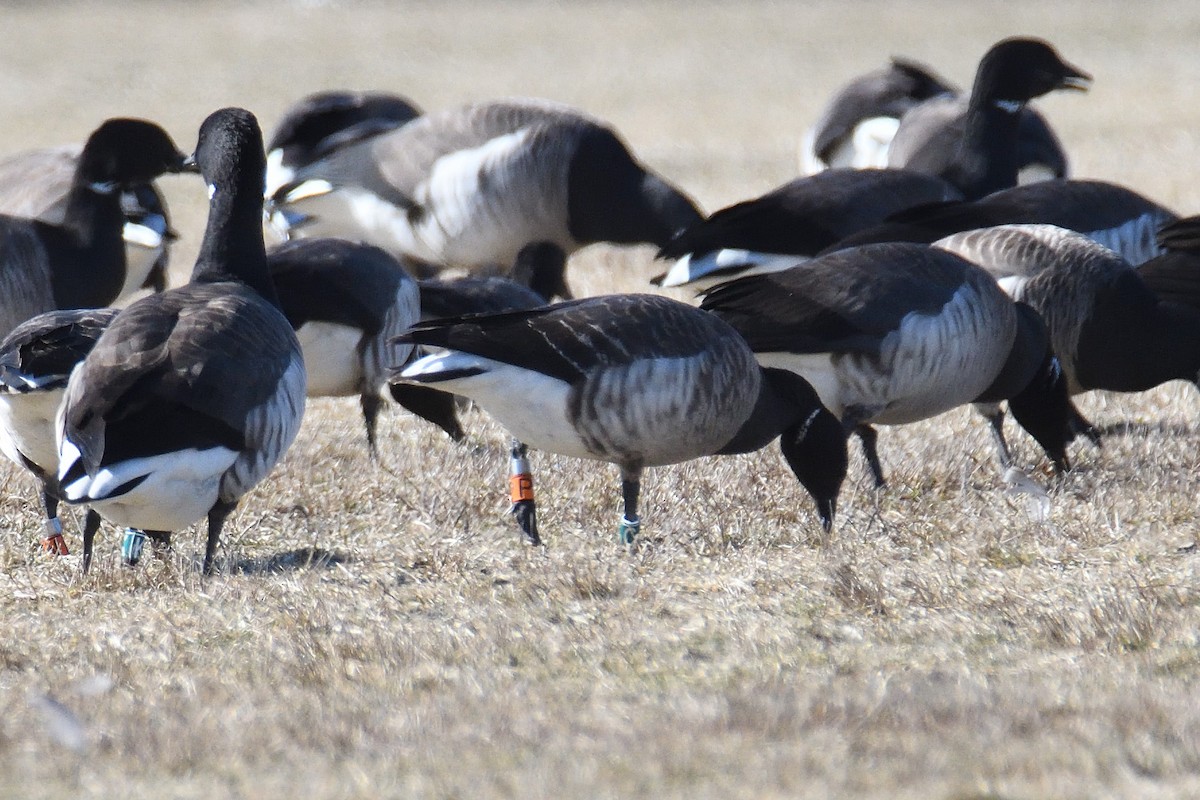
(379, 630)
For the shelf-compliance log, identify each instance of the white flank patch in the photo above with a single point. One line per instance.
(816, 368)
(331, 358)
(278, 175)
(482, 205)
(532, 406)
(180, 487)
(27, 428)
(1012, 285)
(870, 143)
(317, 209)
(143, 246)
(1035, 173)
(698, 272)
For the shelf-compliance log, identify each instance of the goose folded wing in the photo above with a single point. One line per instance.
(315, 283)
(190, 377)
(847, 302)
(49, 346)
(569, 340)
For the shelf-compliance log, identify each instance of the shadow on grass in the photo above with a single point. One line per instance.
(1142, 430)
(289, 561)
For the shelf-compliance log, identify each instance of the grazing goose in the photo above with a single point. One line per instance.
(317, 125)
(1112, 215)
(1108, 328)
(895, 333)
(36, 358)
(857, 127)
(800, 218)
(36, 184)
(347, 302)
(189, 397)
(637, 380)
(973, 143)
(470, 187)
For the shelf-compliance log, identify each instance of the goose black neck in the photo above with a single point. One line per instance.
(233, 247)
(784, 399)
(88, 249)
(987, 158)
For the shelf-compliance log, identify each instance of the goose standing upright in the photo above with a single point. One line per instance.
(36, 184)
(858, 125)
(895, 333)
(636, 380)
(79, 261)
(471, 187)
(190, 397)
(976, 147)
(36, 358)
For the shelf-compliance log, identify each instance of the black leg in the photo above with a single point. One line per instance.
(370, 403)
(53, 541)
(631, 487)
(994, 414)
(91, 524)
(430, 405)
(868, 437)
(216, 521)
(520, 491)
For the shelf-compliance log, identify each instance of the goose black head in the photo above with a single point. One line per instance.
(125, 152)
(229, 152)
(1019, 69)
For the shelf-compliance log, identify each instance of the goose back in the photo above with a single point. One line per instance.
(892, 333)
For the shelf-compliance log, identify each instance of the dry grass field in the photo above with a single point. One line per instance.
(946, 641)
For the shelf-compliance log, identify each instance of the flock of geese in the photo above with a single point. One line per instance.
(936, 255)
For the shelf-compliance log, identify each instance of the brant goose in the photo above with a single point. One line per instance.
(190, 397)
(1108, 328)
(36, 358)
(470, 187)
(800, 218)
(895, 333)
(78, 261)
(1116, 217)
(636, 380)
(317, 125)
(36, 184)
(857, 127)
(973, 143)
(347, 302)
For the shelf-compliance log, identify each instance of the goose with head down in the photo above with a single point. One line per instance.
(471, 187)
(635, 380)
(895, 333)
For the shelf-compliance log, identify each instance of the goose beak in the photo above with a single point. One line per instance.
(1075, 79)
(189, 165)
